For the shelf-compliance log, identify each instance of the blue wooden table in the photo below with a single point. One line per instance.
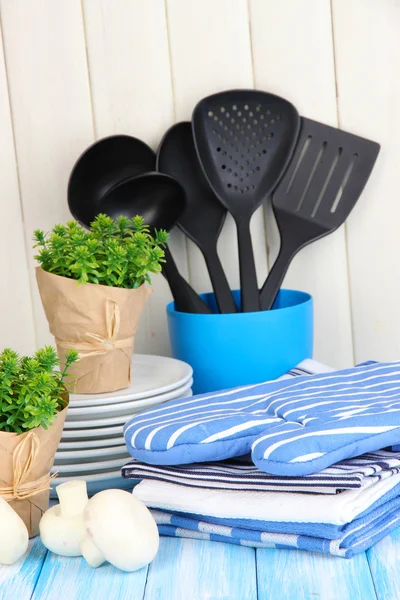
(202, 570)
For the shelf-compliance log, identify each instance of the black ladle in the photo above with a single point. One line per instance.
(160, 200)
(204, 216)
(100, 167)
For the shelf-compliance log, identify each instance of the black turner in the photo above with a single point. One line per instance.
(323, 182)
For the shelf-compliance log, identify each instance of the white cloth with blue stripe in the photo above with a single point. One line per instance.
(357, 537)
(292, 427)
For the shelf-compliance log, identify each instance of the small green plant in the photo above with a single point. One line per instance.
(118, 253)
(31, 390)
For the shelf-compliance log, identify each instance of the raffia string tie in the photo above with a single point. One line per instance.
(20, 490)
(101, 345)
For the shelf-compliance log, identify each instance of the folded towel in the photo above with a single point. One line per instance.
(316, 514)
(355, 540)
(236, 474)
(292, 427)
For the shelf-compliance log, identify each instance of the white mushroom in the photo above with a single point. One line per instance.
(120, 530)
(14, 535)
(61, 527)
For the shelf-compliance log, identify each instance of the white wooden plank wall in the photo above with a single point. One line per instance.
(72, 72)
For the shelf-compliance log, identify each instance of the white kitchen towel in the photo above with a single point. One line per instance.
(242, 474)
(268, 507)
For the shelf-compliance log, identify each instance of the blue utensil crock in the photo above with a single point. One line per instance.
(228, 350)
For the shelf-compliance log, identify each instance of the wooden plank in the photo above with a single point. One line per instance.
(293, 57)
(367, 54)
(305, 575)
(384, 563)
(16, 317)
(68, 578)
(210, 52)
(195, 569)
(18, 581)
(128, 55)
(49, 91)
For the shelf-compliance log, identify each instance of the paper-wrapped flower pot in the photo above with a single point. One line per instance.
(25, 463)
(99, 322)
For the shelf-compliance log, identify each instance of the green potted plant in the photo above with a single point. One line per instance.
(92, 285)
(33, 406)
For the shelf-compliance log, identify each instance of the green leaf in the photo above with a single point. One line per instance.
(118, 253)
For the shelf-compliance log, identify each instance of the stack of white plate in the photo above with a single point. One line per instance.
(92, 445)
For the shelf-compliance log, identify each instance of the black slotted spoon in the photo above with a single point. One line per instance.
(323, 182)
(204, 215)
(244, 140)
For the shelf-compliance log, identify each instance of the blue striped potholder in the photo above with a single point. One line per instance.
(291, 427)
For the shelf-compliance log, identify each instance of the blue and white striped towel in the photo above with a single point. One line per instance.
(357, 538)
(291, 427)
(241, 474)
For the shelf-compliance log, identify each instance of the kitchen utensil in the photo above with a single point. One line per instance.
(104, 164)
(244, 140)
(204, 215)
(152, 377)
(323, 182)
(243, 348)
(160, 200)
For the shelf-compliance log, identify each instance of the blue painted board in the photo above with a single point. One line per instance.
(65, 578)
(18, 581)
(187, 569)
(384, 562)
(301, 575)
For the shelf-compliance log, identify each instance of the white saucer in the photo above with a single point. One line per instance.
(150, 375)
(130, 407)
(91, 467)
(83, 456)
(95, 432)
(89, 444)
(97, 483)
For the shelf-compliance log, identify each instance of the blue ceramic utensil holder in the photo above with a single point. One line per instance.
(228, 350)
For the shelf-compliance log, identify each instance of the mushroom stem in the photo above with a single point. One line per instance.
(91, 553)
(73, 497)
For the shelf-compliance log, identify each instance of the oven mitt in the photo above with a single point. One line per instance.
(292, 427)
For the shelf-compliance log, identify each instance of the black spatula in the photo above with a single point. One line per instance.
(323, 182)
(244, 140)
(204, 215)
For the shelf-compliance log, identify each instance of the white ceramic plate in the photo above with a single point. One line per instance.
(91, 467)
(96, 432)
(89, 455)
(150, 375)
(125, 408)
(90, 444)
(94, 429)
(97, 483)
